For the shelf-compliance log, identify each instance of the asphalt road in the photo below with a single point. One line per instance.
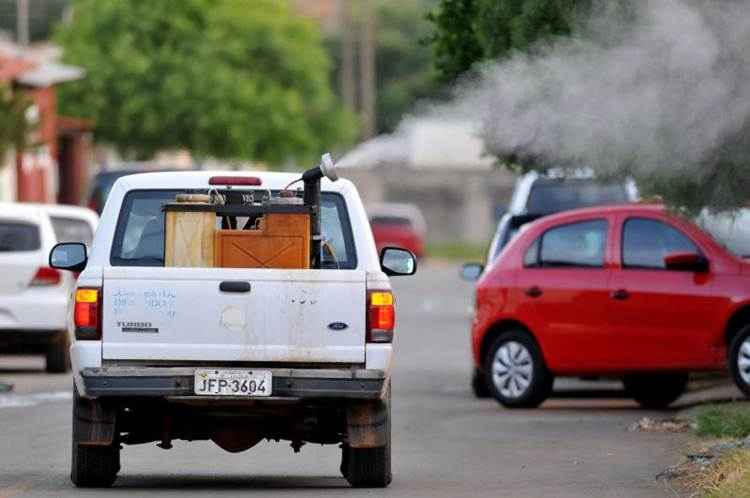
(446, 443)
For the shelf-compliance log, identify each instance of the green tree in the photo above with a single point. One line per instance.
(455, 40)
(14, 127)
(222, 78)
(471, 31)
(468, 33)
(404, 70)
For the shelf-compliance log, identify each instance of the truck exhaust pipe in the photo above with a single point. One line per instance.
(311, 179)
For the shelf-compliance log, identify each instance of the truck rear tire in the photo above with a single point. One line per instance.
(92, 466)
(655, 391)
(369, 467)
(58, 354)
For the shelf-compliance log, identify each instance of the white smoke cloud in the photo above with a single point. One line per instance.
(659, 95)
(662, 94)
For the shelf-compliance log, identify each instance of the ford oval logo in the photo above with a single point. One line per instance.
(338, 326)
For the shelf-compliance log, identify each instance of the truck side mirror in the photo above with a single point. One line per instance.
(69, 256)
(396, 261)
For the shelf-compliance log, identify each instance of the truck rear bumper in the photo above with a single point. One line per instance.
(291, 384)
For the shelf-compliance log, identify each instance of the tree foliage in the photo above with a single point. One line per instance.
(405, 74)
(221, 78)
(14, 127)
(404, 69)
(468, 33)
(471, 31)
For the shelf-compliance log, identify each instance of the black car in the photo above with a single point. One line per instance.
(102, 184)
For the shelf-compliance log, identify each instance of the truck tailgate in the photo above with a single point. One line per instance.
(166, 314)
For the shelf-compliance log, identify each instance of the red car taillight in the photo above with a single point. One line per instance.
(381, 316)
(87, 314)
(46, 276)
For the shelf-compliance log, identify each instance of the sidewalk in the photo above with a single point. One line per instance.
(719, 391)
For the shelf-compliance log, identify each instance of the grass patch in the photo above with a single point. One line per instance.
(730, 420)
(458, 251)
(727, 478)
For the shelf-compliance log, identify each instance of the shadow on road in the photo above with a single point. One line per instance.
(224, 482)
(23, 371)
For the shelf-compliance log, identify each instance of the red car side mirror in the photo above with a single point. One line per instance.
(686, 261)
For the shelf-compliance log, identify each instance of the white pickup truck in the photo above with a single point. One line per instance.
(234, 355)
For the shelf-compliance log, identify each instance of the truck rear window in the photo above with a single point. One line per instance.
(139, 236)
(18, 236)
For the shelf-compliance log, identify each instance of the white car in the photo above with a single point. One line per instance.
(234, 355)
(34, 297)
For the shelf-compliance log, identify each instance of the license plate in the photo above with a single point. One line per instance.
(232, 382)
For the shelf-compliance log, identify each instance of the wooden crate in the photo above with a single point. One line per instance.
(281, 241)
(189, 236)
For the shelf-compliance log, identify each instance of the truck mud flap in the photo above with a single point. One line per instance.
(367, 423)
(95, 423)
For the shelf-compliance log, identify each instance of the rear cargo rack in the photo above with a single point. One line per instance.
(236, 209)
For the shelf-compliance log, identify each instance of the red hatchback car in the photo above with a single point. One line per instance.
(628, 291)
(398, 225)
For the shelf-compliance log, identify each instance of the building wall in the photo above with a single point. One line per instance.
(36, 168)
(458, 205)
(7, 178)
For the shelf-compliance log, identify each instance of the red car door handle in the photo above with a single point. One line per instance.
(533, 291)
(620, 294)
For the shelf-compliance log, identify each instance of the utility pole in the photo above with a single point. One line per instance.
(367, 69)
(22, 22)
(346, 71)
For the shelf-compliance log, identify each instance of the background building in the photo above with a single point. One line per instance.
(54, 168)
(440, 167)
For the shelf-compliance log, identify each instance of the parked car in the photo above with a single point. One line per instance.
(538, 195)
(234, 355)
(71, 223)
(398, 225)
(34, 304)
(627, 291)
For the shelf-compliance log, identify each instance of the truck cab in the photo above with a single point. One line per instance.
(231, 354)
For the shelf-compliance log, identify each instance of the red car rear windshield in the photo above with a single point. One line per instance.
(394, 221)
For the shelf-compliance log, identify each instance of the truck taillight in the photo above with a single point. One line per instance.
(87, 314)
(45, 276)
(381, 316)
